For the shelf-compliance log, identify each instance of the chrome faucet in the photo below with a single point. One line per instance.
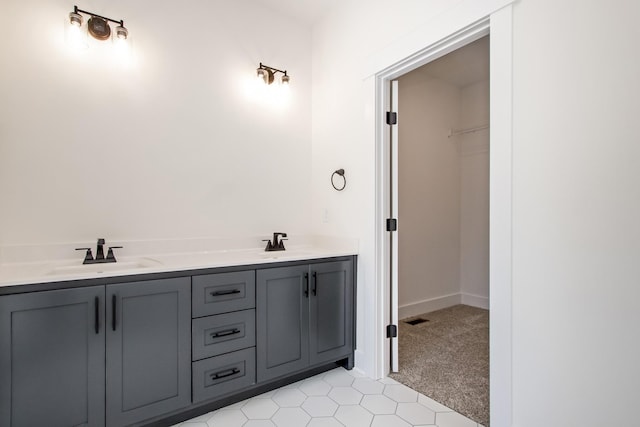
(100, 258)
(276, 245)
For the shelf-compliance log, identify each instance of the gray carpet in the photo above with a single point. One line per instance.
(447, 359)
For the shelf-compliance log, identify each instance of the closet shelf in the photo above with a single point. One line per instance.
(463, 131)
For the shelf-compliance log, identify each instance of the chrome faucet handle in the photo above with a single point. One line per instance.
(88, 257)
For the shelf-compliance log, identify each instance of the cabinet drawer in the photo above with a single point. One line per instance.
(223, 333)
(224, 374)
(223, 292)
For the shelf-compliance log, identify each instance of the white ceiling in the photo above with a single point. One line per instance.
(462, 67)
(306, 11)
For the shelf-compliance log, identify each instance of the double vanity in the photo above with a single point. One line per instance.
(154, 340)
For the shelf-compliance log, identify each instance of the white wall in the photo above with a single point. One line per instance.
(474, 195)
(443, 190)
(575, 193)
(429, 175)
(576, 235)
(173, 145)
(342, 44)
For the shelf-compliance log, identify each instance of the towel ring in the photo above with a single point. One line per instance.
(339, 172)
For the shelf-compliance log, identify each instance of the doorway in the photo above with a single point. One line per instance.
(441, 197)
(386, 69)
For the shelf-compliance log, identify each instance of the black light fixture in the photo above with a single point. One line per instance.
(98, 26)
(267, 74)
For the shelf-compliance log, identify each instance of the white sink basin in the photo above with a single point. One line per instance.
(111, 267)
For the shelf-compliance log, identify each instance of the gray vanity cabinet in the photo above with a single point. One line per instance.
(52, 347)
(144, 352)
(56, 347)
(223, 334)
(148, 349)
(282, 321)
(304, 317)
(331, 311)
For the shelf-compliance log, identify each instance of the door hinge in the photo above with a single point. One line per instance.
(392, 224)
(392, 331)
(392, 118)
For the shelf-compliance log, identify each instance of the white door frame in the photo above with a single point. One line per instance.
(499, 26)
(393, 203)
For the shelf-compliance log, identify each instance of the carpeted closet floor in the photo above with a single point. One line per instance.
(447, 359)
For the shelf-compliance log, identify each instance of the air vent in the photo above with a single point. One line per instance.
(416, 321)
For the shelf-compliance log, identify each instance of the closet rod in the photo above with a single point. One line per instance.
(463, 131)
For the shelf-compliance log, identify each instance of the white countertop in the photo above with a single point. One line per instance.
(17, 266)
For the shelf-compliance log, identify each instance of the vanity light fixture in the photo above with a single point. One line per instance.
(266, 74)
(98, 26)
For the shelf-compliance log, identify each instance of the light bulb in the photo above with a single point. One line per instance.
(262, 75)
(121, 32)
(74, 33)
(285, 80)
(75, 19)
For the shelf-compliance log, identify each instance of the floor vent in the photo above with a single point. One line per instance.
(416, 321)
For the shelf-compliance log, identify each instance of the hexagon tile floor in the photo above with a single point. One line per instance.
(335, 398)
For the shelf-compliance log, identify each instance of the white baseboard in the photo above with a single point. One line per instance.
(426, 306)
(359, 356)
(475, 301)
(357, 372)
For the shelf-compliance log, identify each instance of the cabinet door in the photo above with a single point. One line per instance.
(52, 358)
(148, 349)
(331, 305)
(282, 321)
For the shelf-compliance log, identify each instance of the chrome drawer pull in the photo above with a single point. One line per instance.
(225, 333)
(224, 374)
(227, 292)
